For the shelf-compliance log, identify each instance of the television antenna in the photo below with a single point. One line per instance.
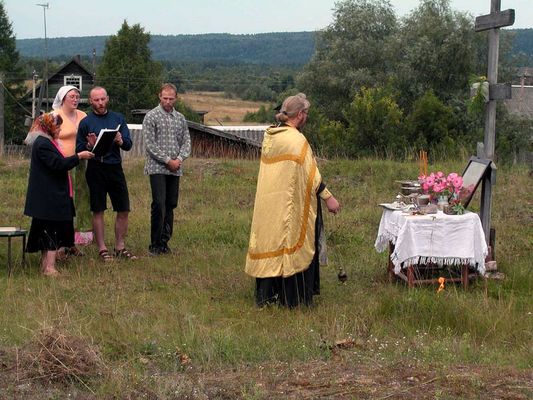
(45, 74)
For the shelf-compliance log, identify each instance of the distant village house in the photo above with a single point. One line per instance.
(235, 142)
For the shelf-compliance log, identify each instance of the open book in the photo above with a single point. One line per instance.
(104, 141)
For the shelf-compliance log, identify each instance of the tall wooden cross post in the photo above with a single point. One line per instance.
(492, 22)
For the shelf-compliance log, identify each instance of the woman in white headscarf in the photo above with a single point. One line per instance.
(66, 105)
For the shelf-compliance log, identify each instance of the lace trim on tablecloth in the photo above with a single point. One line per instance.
(382, 241)
(441, 261)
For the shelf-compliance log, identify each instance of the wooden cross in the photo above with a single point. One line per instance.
(492, 22)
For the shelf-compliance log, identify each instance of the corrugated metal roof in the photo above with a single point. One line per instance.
(253, 133)
(237, 135)
(240, 127)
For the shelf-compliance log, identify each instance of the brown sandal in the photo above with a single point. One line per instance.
(123, 253)
(62, 254)
(105, 256)
(74, 251)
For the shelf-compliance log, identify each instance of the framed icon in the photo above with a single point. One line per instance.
(473, 174)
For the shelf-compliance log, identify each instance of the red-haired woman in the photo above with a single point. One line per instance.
(49, 195)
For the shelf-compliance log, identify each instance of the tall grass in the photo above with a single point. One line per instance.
(199, 303)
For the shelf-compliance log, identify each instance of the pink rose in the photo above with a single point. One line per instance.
(457, 182)
(437, 188)
(451, 177)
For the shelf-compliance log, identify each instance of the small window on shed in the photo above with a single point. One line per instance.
(74, 80)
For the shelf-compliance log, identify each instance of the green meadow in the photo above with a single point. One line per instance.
(185, 325)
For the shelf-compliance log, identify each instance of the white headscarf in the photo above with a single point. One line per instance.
(61, 93)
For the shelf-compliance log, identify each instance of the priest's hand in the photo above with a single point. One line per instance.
(333, 205)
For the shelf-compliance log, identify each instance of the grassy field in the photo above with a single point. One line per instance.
(221, 110)
(185, 326)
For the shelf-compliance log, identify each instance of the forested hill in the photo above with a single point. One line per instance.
(523, 42)
(264, 48)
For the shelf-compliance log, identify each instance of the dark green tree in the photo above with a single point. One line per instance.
(328, 138)
(262, 116)
(375, 124)
(351, 53)
(436, 49)
(127, 71)
(12, 81)
(429, 122)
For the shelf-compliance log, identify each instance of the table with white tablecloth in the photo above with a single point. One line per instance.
(437, 239)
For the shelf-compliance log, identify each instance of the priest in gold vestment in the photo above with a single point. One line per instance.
(286, 229)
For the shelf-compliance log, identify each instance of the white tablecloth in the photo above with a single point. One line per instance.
(439, 238)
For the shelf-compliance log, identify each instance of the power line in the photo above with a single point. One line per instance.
(13, 97)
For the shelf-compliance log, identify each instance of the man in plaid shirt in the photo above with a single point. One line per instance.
(168, 144)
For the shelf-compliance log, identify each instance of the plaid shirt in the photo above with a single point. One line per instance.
(166, 136)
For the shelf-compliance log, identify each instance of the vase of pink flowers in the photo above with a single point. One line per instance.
(443, 189)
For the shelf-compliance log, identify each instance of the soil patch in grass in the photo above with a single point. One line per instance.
(342, 377)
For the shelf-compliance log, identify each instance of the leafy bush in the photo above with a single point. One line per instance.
(514, 138)
(263, 115)
(429, 122)
(188, 112)
(375, 123)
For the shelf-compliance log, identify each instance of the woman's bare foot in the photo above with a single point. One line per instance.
(48, 263)
(51, 272)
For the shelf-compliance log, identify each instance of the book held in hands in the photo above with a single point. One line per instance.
(104, 141)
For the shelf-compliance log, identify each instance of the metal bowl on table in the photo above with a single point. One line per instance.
(422, 200)
(407, 190)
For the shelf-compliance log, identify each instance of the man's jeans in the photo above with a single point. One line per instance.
(165, 190)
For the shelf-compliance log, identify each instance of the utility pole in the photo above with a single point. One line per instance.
(34, 85)
(45, 75)
(94, 66)
(492, 22)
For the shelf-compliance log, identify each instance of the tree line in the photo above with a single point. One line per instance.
(259, 49)
(294, 48)
(382, 85)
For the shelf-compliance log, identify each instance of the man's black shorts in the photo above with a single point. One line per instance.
(104, 179)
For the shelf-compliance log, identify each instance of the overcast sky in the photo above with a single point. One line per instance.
(173, 17)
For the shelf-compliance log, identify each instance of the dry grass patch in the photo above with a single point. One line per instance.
(52, 357)
(221, 110)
